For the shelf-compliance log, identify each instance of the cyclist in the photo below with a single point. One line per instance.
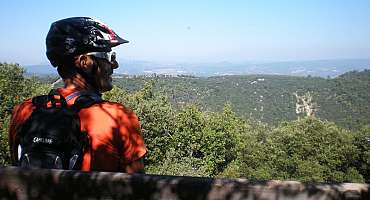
(81, 49)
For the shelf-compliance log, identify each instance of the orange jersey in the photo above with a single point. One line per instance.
(114, 134)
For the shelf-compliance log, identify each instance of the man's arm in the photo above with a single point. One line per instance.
(134, 149)
(12, 137)
(20, 113)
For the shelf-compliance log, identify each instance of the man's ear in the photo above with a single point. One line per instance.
(84, 62)
(81, 61)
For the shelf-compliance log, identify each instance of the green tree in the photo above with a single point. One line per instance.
(209, 137)
(307, 150)
(223, 136)
(155, 114)
(362, 144)
(177, 165)
(14, 88)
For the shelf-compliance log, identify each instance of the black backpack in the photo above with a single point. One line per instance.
(51, 137)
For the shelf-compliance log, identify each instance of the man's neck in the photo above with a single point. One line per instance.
(77, 83)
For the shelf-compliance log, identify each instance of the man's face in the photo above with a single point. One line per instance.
(103, 76)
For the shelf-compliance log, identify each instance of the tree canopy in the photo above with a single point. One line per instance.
(187, 139)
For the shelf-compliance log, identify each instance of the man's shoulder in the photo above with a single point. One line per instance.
(21, 112)
(112, 105)
(25, 106)
(25, 102)
(107, 112)
(111, 108)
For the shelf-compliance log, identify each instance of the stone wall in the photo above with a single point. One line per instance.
(16, 183)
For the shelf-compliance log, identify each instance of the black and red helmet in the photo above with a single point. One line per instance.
(78, 35)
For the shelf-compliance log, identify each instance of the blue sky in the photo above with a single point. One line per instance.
(199, 30)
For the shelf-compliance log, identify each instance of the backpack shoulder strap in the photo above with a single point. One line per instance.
(84, 99)
(42, 101)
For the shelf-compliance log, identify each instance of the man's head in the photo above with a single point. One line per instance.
(84, 46)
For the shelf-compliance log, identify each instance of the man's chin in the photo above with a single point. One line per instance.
(105, 88)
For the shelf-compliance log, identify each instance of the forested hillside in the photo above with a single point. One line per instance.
(196, 127)
(269, 98)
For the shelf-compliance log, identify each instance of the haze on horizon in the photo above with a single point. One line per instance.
(199, 31)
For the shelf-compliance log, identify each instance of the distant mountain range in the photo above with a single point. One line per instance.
(321, 68)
